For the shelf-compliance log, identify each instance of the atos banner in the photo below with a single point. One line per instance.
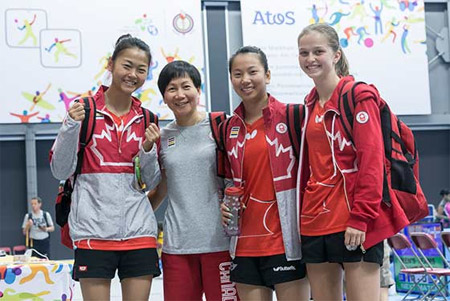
(384, 41)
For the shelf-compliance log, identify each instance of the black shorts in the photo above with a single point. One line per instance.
(266, 271)
(103, 264)
(331, 248)
(42, 246)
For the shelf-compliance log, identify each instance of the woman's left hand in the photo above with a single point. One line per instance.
(354, 237)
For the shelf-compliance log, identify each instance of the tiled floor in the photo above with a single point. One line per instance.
(157, 291)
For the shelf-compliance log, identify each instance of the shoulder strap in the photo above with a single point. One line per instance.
(46, 219)
(215, 119)
(30, 216)
(87, 130)
(223, 129)
(294, 118)
(346, 105)
(220, 123)
(149, 117)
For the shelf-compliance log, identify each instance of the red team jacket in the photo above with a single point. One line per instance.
(283, 164)
(361, 164)
(106, 205)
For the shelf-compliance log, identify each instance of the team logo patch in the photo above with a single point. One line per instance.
(362, 117)
(234, 131)
(281, 128)
(82, 268)
(171, 142)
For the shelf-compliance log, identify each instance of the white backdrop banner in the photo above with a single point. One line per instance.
(55, 51)
(383, 40)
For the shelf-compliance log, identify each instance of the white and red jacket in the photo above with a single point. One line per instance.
(283, 164)
(105, 203)
(361, 164)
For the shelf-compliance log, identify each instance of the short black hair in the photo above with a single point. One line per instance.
(128, 41)
(177, 69)
(38, 199)
(444, 191)
(250, 49)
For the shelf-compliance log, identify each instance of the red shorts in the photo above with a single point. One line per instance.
(187, 277)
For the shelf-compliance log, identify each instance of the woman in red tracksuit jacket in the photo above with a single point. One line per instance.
(266, 255)
(342, 219)
(112, 224)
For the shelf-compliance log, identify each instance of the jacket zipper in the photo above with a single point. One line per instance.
(273, 182)
(334, 159)
(300, 165)
(363, 250)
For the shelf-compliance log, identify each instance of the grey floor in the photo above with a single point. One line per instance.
(157, 291)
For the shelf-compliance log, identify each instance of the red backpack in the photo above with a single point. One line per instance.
(401, 176)
(64, 197)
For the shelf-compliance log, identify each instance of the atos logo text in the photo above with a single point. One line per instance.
(268, 18)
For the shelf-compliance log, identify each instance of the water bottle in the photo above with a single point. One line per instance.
(232, 199)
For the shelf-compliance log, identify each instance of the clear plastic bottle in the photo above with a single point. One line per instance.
(232, 199)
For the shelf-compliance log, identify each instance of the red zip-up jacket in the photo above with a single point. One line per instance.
(283, 164)
(106, 205)
(361, 165)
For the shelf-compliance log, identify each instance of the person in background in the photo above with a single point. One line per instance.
(386, 280)
(445, 199)
(36, 227)
(443, 209)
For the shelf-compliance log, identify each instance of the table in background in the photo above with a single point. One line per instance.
(36, 280)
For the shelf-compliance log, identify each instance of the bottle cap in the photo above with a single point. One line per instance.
(236, 191)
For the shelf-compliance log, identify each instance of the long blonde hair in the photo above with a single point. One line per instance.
(342, 67)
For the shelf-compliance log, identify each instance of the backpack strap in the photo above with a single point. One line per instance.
(346, 106)
(215, 119)
(223, 129)
(295, 115)
(87, 130)
(221, 154)
(46, 219)
(399, 140)
(149, 117)
(30, 216)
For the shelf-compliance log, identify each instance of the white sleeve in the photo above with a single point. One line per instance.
(49, 219)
